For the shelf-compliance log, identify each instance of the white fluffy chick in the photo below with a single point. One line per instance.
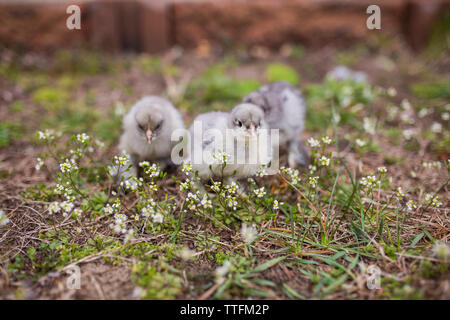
(284, 109)
(148, 127)
(234, 137)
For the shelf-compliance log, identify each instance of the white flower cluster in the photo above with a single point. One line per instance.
(196, 201)
(150, 211)
(46, 135)
(324, 161)
(222, 271)
(39, 164)
(441, 250)
(120, 223)
(360, 143)
(3, 218)
(221, 157)
(382, 170)
(276, 205)
(408, 133)
(68, 166)
(151, 170)
(313, 143)
(248, 233)
(327, 140)
(433, 164)
(112, 208)
(65, 206)
(186, 185)
(132, 183)
(83, 138)
(122, 160)
(411, 205)
(400, 194)
(187, 168)
(369, 125)
(313, 181)
(432, 201)
(292, 173)
(259, 193)
(369, 181)
(261, 172)
(436, 127)
(216, 186)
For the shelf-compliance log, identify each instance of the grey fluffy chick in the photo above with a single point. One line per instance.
(148, 127)
(245, 124)
(284, 109)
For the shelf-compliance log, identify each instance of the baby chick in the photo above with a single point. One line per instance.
(148, 127)
(231, 138)
(284, 109)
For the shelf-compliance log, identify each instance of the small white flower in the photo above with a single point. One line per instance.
(369, 125)
(432, 201)
(400, 193)
(46, 135)
(406, 105)
(187, 168)
(408, 133)
(186, 254)
(248, 233)
(382, 170)
(391, 92)
(206, 203)
(313, 181)
(3, 218)
(424, 112)
(312, 168)
(119, 109)
(411, 205)
(259, 192)
(158, 218)
(216, 186)
(436, 127)
(326, 140)
(360, 143)
(276, 205)
(222, 271)
(313, 142)
(83, 138)
(293, 174)
(129, 236)
(369, 181)
(221, 157)
(54, 207)
(445, 116)
(122, 160)
(39, 164)
(441, 250)
(68, 165)
(324, 161)
(232, 203)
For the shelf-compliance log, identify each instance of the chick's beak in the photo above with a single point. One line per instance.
(149, 134)
(252, 129)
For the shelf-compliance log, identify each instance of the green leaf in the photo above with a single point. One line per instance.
(416, 239)
(268, 264)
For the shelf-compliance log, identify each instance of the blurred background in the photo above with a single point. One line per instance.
(154, 26)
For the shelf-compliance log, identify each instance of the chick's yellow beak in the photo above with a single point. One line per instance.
(149, 134)
(252, 129)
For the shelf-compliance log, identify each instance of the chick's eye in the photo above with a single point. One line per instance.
(239, 123)
(158, 126)
(141, 127)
